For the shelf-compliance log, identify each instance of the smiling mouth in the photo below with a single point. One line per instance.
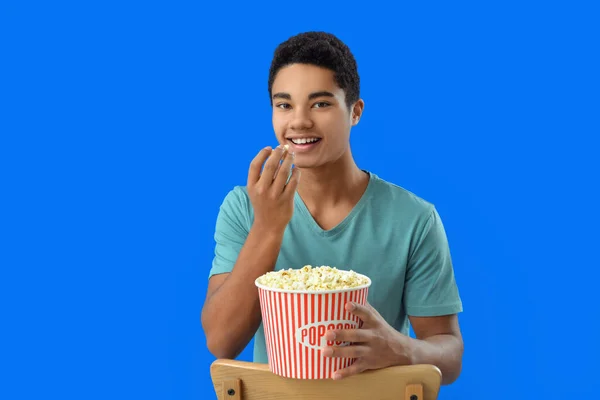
(304, 141)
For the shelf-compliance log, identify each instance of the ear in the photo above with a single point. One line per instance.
(356, 111)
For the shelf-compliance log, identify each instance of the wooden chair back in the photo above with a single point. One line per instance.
(242, 380)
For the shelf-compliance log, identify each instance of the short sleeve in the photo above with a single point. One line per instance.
(430, 286)
(231, 230)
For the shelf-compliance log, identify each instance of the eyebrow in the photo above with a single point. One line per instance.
(311, 96)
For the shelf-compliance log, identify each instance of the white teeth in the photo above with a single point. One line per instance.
(304, 140)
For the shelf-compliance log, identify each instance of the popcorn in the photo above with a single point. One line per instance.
(312, 279)
(298, 307)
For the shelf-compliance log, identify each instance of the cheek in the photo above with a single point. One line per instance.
(338, 129)
(279, 125)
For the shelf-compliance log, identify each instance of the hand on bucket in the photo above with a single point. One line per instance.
(376, 345)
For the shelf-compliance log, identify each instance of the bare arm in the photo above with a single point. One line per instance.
(429, 283)
(379, 345)
(430, 287)
(439, 342)
(231, 312)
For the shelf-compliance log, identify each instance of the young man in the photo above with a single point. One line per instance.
(328, 211)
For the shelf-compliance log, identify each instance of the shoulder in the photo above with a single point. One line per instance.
(389, 195)
(237, 206)
(236, 196)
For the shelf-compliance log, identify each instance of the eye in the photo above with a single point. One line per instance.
(322, 104)
(283, 106)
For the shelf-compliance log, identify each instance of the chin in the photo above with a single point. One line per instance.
(298, 163)
(303, 165)
(306, 164)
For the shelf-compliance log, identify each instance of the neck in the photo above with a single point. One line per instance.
(333, 183)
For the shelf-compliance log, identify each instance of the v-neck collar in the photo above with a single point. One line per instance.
(339, 227)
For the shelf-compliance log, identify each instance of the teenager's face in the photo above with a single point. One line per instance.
(310, 114)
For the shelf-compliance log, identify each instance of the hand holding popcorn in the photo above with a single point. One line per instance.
(376, 345)
(270, 192)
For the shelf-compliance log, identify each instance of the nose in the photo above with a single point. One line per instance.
(301, 120)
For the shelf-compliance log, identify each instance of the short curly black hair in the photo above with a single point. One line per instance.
(321, 49)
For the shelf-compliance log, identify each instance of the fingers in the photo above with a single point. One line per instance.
(283, 169)
(354, 369)
(352, 351)
(366, 313)
(349, 335)
(256, 165)
(271, 166)
(284, 172)
(292, 184)
(275, 175)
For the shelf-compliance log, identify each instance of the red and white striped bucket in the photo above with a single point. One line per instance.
(295, 323)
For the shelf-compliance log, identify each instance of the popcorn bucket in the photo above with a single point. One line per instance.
(295, 323)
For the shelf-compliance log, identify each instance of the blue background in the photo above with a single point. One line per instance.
(123, 126)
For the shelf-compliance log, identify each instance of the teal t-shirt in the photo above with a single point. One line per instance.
(394, 237)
